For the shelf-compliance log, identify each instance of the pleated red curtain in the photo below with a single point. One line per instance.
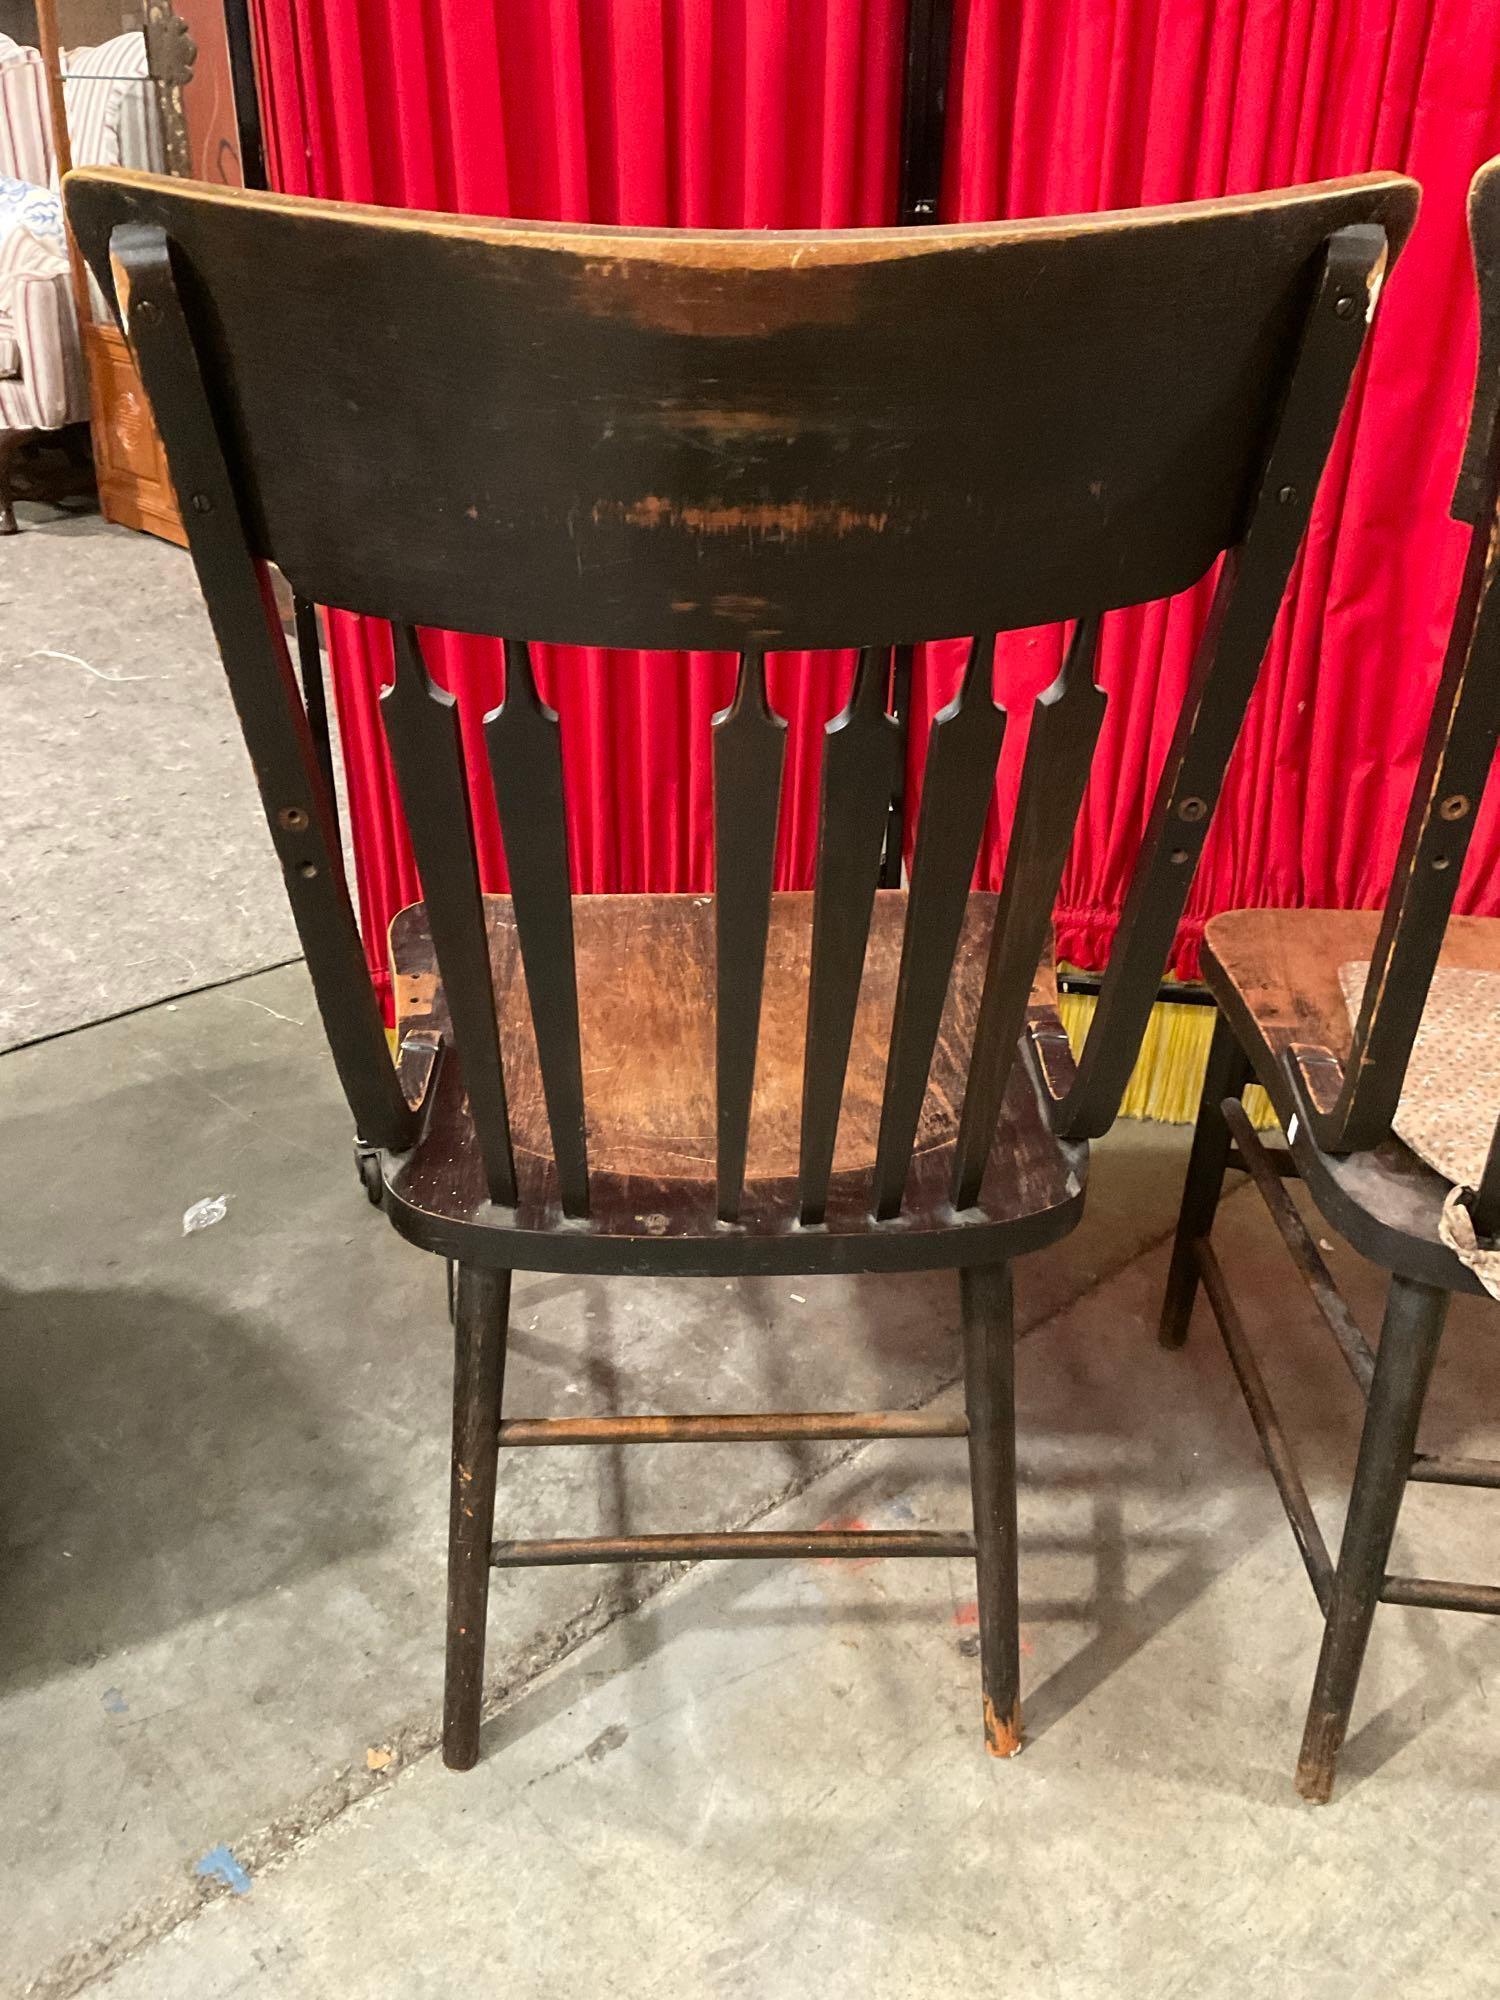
(766, 113)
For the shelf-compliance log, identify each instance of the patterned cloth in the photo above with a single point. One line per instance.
(38, 210)
(1450, 1102)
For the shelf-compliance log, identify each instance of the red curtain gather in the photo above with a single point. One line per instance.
(785, 113)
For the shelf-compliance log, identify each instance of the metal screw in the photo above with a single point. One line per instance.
(1192, 809)
(1344, 307)
(1454, 806)
(293, 818)
(202, 504)
(1287, 495)
(1440, 862)
(1179, 856)
(148, 312)
(307, 869)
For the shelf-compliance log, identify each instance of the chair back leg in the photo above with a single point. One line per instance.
(1227, 1074)
(990, 1396)
(1413, 1326)
(481, 1308)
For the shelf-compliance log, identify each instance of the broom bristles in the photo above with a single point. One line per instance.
(1167, 1080)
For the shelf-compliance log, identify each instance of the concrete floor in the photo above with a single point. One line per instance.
(136, 857)
(223, 1453)
(223, 1491)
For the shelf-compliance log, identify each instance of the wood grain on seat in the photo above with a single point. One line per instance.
(646, 988)
(1278, 970)
(646, 981)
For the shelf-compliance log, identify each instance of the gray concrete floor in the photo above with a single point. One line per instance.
(222, 1453)
(223, 1489)
(223, 1496)
(136, 858)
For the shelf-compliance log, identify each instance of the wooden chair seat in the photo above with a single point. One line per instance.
(1275, 975)
(646, 989)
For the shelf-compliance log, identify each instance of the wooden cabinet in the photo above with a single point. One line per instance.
(135, 488)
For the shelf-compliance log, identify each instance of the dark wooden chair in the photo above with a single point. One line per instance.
(744, 442)
(1283, 1020)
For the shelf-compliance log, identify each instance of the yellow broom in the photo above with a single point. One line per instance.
(1168, 1077)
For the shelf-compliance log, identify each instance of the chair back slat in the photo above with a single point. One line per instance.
(421, 723)
(1247, 597)
(958, 783)
(749, 748)
(861, 764)
(1065, 724)
(526, 770)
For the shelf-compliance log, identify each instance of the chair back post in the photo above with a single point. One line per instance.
(1350, 1107)
(1251, 584)
(298, 805)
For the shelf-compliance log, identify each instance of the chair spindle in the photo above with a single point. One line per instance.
(749, 748)
(1059, 750)
(963, 750)
(526, 769)
(421, 722)
(861, 767)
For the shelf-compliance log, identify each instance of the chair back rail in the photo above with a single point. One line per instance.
(1350, 1106)
(620, 438)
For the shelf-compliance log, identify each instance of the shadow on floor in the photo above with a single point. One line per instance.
(159, 1461)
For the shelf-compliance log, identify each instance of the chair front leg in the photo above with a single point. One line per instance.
(990, 1398)
(1226, 1076)
(481, 1308)
(1414, 1315)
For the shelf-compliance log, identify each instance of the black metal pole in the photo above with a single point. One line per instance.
(246, 97)
(924, 106)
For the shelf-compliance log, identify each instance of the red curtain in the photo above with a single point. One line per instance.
(785, 113)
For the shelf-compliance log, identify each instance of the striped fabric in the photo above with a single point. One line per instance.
(112, 110)
(42, 381)
(47, 386)
(25, 129)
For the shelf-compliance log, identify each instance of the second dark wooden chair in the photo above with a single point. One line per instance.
(748, 443)
(1284, 1021)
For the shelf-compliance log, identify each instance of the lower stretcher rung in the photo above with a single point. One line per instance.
(762, 1545)
(1430, 1595)
(755, 1428)
(1432, 1469)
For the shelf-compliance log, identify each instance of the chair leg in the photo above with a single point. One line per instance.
(1409, 1339)
(10, 445)
(482, 1306)
(990, 1396)
(1226, 1076)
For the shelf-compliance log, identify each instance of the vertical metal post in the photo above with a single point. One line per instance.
(924, 111)
(246, 95)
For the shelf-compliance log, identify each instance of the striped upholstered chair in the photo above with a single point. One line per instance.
(42, 382)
